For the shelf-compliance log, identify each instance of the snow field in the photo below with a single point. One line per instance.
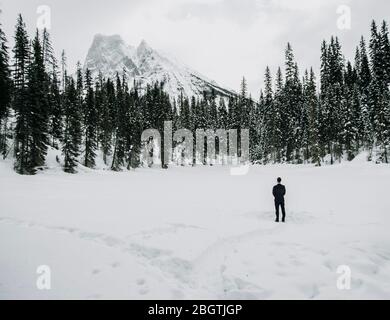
(196, 233)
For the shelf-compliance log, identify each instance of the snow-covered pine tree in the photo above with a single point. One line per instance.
(107, 118)
(385, 47)
(222, 114)
(49, 58)
(332, 96)
(312, 105)
(136, 128)
(292, 93)
(79, 87)
(279, 114)
(185, 114)
(128, 135)
(54, 96)
(378, 64)
(257, 150)
(5, 91)
(166, 115)
(351, 114)
(300, 129)
(99, 97)
(267, 127)
(379, 90)
(249, 122)
(239, 112)
(90, 120)
(55, 109)
(382, 125)
(121, 127)
(21, 58)
(72, 127)
(305, 143)
(64, 76)
(311, 146)
(362, 65)
(38, 103)
(213, 112)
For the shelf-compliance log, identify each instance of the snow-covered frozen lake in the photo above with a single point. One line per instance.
(196, 233)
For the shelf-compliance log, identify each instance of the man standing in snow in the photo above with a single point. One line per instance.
(279, 192)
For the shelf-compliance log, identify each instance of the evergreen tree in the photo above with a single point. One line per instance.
(90, 120)
(222, 114)
(64, 76)
(185, 113)
(363, 67)
(55, 111)
(350, 115)
(378, 64)
(54, 96)
(260, 138)
(381, 125)
(364, 83)
(72, 129)
(292, 93)
(38, 103)
(385, 47)
(107, 118)
(279, 122)
(268, 129)
(313, 147)
(332, 99)
(5, 91)
(121, 132)
(244, 89)
(379, 90)
(136, 128)
(21, 59)
(49, 58)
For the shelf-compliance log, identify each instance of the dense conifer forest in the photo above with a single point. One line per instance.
(299, 117)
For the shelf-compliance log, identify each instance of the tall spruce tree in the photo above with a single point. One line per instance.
(279, 115)
(21, 60)
(54, 95)
(72, 127)
(364, 84)
(292, 93)
(268, 127)
(107, 100)
(90, 121)
(136, 127)
(122, 126)
(332, 98)
(311, 104)
(38, 103)
(5, 91)
(55, 110)
(379, 90)
(385, 47)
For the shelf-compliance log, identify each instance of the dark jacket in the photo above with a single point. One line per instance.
(279, 192)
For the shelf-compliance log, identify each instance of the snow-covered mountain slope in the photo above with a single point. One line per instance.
(111, 55)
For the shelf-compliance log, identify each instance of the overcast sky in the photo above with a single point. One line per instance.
(223, 39)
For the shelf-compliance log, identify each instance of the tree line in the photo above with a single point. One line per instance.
(296, 119)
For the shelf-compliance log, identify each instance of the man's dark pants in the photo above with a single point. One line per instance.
(277, 205)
